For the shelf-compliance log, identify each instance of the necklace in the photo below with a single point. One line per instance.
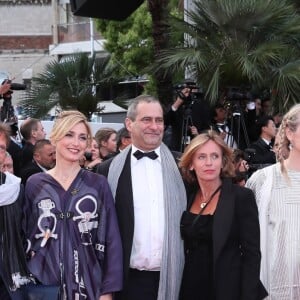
(204, 203)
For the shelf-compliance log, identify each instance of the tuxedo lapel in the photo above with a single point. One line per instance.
(124, 209)
(263, 145)
(223, 218)
(124, 196)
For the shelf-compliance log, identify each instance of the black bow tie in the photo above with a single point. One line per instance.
(139, 154)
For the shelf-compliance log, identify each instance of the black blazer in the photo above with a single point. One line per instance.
(236, 244)
(28, 170)
(124, 208)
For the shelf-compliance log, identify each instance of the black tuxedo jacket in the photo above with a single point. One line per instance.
(263, 153)
(236, 244)
(124, 208)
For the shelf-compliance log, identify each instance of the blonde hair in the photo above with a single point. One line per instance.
(65, 121)
(196, 143)
(290, 121)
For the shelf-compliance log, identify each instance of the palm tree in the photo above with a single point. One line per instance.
(159, 10)
(240, 43)
(73, 83)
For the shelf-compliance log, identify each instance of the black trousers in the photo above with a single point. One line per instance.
(142, 285)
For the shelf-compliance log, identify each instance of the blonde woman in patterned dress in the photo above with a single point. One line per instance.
(277, 190)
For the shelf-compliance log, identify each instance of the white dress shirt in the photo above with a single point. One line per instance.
(148, 203)
(229, 139)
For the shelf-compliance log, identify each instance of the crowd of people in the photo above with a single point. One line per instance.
(122, 215)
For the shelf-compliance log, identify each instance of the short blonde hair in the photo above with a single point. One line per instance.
(196, 143)
(65, 121)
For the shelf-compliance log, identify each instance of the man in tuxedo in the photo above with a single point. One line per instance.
(43, 159)
(264, 153)
(150, 198)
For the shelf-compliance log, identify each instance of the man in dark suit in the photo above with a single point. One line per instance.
(31, 130)
(150, 198)
(264, 153)
(15, 149)
(43, 159)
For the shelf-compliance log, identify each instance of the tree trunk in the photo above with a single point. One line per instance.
(159, 10)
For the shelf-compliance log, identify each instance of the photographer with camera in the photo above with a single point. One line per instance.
(223, 125)
(240, 116)
(7, 111)
(188, 115)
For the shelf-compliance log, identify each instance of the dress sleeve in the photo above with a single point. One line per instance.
(113, 262)
(249, 235)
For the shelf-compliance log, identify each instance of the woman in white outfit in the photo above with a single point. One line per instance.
(277, 190)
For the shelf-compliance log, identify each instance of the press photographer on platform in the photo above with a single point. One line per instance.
(7, 113)
(187, 116)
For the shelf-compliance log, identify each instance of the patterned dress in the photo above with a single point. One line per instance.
(281, 233)
(74, 235)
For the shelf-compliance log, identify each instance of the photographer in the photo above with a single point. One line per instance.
(188, 115)
(7, 113)
(92, 157)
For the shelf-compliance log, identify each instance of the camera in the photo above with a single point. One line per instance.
(88, 155)
(249, 154)
(15, 86)
(238, 94)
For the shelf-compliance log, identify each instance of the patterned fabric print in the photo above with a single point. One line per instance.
(67, 231)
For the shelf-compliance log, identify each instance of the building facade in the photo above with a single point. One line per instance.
(35, 32)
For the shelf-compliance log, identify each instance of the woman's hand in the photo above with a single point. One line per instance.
(106, 297)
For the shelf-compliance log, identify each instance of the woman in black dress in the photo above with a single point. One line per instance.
(220, 227)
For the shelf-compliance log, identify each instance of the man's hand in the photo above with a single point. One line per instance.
(182, 96)
(194, 130)
(4, 87)
(184, 93)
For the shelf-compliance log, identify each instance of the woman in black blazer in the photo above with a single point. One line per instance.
(220, 227)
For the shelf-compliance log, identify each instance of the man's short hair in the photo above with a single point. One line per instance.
(261, 122)
(27, 126)
(39, 145)
(122, 133)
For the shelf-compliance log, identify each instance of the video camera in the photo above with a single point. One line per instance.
(249, 154)
(238, 94)
(196, 92)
